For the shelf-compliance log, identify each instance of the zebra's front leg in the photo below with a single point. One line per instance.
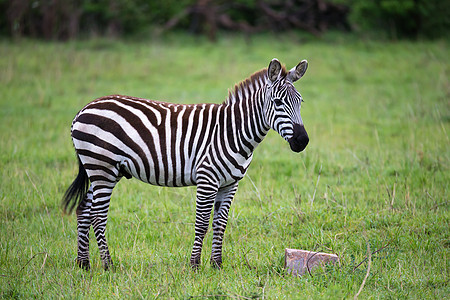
(206, 195)
(221, 208)
(83, 227)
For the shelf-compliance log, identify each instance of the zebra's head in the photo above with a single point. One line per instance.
(283, 104)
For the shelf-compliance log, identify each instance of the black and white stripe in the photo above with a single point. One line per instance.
(166, 144)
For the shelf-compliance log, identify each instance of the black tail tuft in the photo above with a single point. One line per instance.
(77, 190)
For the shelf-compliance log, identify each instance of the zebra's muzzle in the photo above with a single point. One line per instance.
(300, 138)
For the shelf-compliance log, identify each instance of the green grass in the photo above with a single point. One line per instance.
(376, 171)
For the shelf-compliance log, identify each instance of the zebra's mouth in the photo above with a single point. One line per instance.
(300, 139)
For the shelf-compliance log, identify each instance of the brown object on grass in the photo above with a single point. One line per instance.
(299, 262)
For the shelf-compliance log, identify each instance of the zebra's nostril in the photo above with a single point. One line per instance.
(300, 132)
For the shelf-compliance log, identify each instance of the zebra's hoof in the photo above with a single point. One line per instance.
(195, 264)
(217, 264)
(108, 266)
(84, 264)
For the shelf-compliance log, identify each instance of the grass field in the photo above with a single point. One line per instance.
(375, 174)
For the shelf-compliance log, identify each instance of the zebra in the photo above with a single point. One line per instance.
(166, 144)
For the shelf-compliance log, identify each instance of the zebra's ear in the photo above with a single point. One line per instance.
(274, 70)
(297, 72)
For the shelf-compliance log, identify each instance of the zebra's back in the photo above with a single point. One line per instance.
(156, 142)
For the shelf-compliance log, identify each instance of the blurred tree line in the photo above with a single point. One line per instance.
(68, 19)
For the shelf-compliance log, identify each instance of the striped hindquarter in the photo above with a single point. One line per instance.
(165, 144)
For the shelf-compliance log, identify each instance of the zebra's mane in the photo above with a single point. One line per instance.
(251, 84)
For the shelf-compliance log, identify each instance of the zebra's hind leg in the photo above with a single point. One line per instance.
(206, 195)
(222, 206)
(83, 227)
(102, 190)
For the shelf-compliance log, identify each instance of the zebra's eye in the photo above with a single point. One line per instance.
(278, 102)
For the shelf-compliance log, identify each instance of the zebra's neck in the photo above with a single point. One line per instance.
(248, 88)
(246, 120)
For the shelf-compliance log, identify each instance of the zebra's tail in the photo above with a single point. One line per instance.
(77, 190)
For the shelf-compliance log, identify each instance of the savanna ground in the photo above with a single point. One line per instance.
(375, 174)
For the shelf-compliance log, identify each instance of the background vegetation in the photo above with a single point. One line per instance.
(376, 171)
(68, 19)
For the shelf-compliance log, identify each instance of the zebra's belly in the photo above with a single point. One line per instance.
(160, 173)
